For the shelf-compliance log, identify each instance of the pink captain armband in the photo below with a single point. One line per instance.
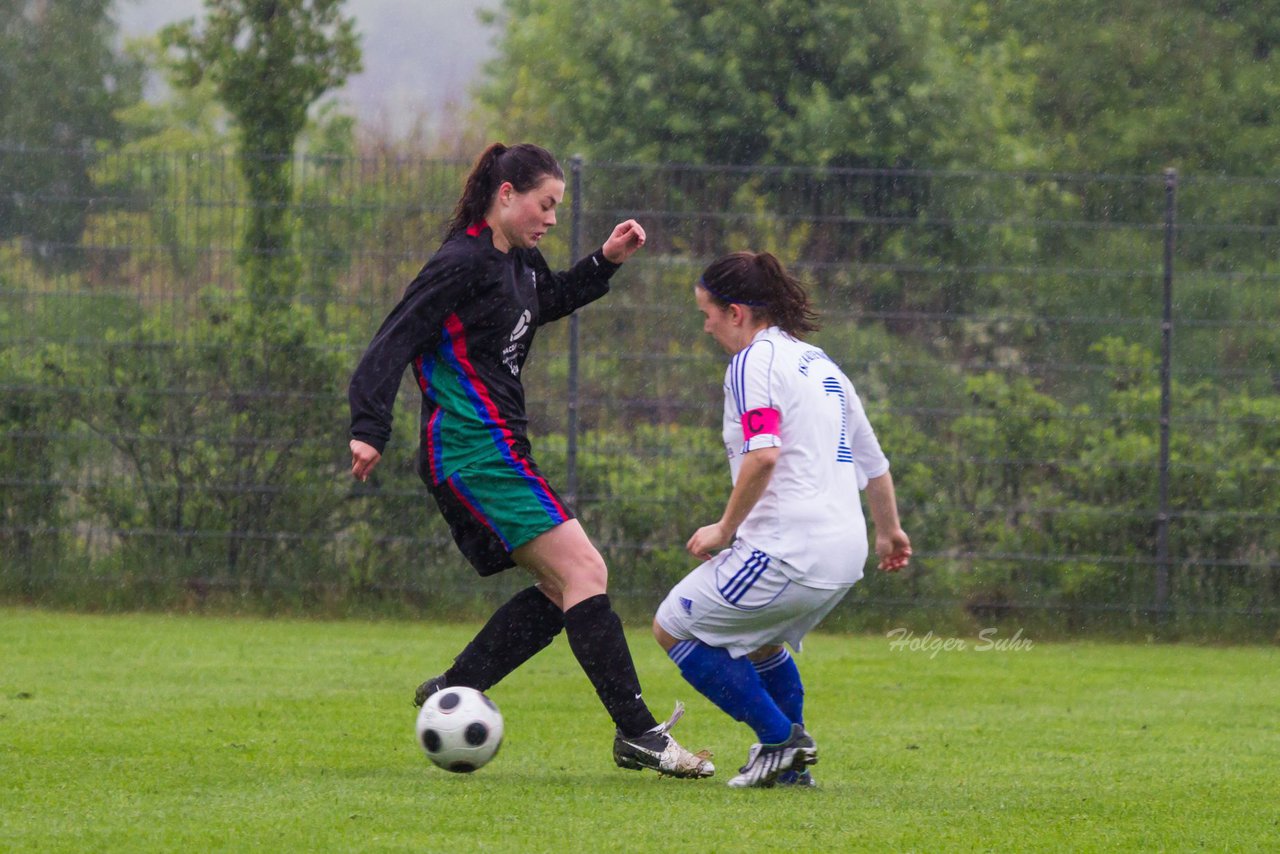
(760, 422)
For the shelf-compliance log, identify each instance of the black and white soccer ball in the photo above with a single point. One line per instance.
(460, 729)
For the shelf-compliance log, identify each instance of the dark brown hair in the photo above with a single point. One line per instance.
(758, 281)
(523, 165)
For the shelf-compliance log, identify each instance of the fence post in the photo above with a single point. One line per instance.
(1166, 362)
(575, 249)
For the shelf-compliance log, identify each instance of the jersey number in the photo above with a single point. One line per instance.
(844, 453)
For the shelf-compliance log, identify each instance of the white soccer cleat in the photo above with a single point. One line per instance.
(656, 749)
(766, 762)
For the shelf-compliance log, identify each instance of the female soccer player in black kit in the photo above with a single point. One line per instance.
(465, 324)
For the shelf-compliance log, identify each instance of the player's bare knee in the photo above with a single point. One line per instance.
(587, 572)
(662, 636)
(550, 589)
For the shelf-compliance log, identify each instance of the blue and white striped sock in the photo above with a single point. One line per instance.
(733, 685)
(781, 678)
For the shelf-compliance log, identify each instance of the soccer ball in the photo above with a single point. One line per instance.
(460, 729)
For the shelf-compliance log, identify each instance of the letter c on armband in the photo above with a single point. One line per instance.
(756, 422)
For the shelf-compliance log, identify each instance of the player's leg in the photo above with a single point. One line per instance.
(731, 683)
(564, 560)
(784, 749)
(502, 515)
(488, 506)
(516, 632)
(741, 602)
(781, 678)
(711, 619)
(775, 664)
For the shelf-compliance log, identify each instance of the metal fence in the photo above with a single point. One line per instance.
(1074, 376)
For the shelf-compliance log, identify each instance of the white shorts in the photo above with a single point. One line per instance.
(740, 600)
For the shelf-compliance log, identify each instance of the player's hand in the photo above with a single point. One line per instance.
(363, 459)
(708, 540)
(627, 237)
(894, 549)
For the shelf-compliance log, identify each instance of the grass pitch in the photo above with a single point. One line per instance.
(164, 733)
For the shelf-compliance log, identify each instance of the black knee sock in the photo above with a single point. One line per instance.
(596, 638)
(514, 634)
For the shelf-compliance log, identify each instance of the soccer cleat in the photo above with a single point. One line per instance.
(656, 749)
(797, 779)
(426, 689)
(766, 762)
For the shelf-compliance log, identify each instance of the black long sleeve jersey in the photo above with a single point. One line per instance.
(465, 325)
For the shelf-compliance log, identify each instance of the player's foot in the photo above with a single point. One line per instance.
(797, 779)
(656, 749)
(426, 689)
(766, 762)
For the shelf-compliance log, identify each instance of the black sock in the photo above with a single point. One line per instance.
(514, 634)
(596, 638)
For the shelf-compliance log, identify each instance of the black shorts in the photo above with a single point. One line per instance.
(495, 506)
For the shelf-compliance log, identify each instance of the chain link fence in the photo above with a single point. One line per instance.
(1074, 376)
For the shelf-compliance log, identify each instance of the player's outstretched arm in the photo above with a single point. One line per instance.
(892, 543)
(627, 237)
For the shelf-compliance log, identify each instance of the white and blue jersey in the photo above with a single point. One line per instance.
(782, 392)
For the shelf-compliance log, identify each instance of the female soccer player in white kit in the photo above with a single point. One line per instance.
(792, 539)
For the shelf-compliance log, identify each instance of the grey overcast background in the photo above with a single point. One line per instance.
(420, 56)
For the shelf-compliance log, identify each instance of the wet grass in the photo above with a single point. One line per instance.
(161, 733)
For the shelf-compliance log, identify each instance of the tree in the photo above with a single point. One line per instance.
(61, 83)
(1139, 86)
(33, 542)
(880, 83)
(226, 456)
(855, 89)
(269, 60)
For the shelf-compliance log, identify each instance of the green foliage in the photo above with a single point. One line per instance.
(1140, 86)
(641, 495)
(1027, 470)
(326, 217)
(61, 83)
(784, 82)
(1083, 85)
(182, 198)
(33, 461)
(187, 119)
(269, 61)
(1043, 480)
(215, 436)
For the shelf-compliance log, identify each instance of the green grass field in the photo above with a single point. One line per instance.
(168, 733)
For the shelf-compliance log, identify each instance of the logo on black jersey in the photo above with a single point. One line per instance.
(522, 325)
(511, 357)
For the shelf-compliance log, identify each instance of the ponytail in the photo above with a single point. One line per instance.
(759, 281)
(524, 166)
